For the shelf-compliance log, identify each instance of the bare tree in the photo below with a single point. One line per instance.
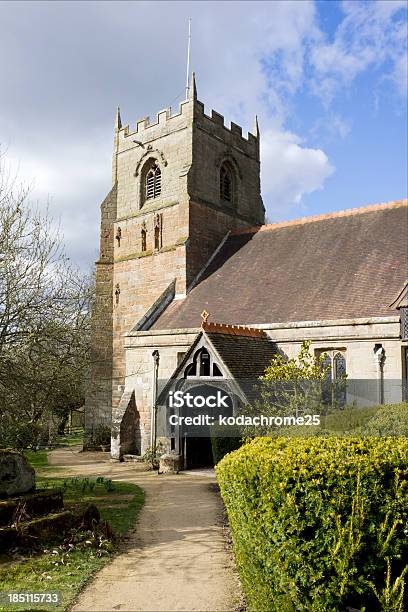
(44, 319)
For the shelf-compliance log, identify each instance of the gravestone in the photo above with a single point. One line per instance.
(16, 475)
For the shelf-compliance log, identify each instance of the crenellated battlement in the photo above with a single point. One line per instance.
(163, 117)
(190, 110)
(215, 121)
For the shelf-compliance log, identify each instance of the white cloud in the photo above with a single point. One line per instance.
(371, 35)
(70, 183)
(289, 170)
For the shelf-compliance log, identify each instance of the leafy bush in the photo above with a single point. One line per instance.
(385, 420)
(22, 434)
(389, 420)
(152, 455)
(319, 524)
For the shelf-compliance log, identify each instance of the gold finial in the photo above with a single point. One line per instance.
(204, 317)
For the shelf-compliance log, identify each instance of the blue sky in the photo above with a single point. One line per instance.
(327, 80)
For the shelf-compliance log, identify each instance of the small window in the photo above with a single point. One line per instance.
(153, 182)
(226, 183)
(204, 361)
(144, 240)
(404, 322)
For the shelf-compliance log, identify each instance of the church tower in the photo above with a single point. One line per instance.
(179, 185)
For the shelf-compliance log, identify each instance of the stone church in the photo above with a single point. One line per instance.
(191, 283)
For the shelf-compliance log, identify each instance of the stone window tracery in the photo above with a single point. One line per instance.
(334, 387)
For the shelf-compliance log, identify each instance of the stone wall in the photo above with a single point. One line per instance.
(99, 389)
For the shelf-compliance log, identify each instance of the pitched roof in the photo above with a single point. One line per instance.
(245, 356)
(343, 265)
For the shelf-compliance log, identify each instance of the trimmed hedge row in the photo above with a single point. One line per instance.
(319, 524)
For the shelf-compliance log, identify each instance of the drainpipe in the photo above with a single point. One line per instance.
(156, 359)
(379, 355)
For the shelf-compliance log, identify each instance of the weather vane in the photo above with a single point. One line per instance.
(204, 317)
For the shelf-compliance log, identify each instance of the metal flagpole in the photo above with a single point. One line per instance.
(188, 59)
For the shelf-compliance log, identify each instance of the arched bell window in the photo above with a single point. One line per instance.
(151, 181)
(226, 183)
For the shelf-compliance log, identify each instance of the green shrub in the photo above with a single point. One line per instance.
(349, 418)
(389, 420)
(319, 524)
(385, 420)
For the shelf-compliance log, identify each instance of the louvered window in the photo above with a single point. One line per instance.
(153, 183)
(404, 322)
(226, 186)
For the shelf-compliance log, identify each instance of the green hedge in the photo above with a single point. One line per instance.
(319, 524)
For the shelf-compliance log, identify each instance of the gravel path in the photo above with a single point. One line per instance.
(176, 558)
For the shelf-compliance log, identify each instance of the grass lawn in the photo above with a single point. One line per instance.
(74, 439)
(56, 570)
(37, 459)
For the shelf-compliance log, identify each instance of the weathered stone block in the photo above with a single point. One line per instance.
(16, 475)
(170, 463)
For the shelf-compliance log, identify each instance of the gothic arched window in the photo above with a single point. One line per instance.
(226, 183)
(202, 365)
(339, 365)
(334, 386)
(153, 182)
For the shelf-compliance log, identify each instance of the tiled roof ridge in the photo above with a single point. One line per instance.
(233, 330)
(316, 218)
